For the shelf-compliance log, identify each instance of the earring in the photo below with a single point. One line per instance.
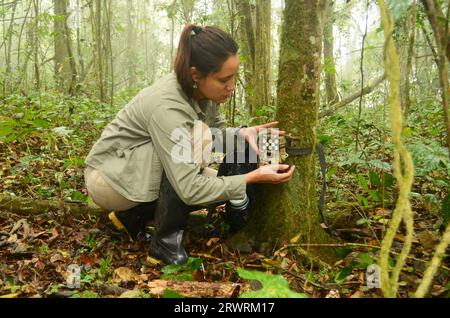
(195, 85)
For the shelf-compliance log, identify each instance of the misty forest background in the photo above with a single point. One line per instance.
(68, 66)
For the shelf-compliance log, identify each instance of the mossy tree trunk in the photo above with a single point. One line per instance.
(289, 210)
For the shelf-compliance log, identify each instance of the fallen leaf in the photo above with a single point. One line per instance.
(56, 258)
(12, 239)
(357, 294)
(295, 239)
(152, 260)
(428, 239)
(14, 295)
(130, 294)
(125, 274)
(334, 293)
(212, 241)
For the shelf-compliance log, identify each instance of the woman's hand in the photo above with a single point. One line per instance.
(273, 174)
(250, 134)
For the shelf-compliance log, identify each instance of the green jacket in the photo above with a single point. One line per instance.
(135, 148)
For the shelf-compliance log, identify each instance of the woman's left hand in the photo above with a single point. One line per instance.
(251, 133)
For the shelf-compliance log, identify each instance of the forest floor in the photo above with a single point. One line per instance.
(37, 249)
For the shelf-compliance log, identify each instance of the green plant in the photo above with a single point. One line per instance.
(85, 294)
(91, 241)
(273, 286)
(182, 272)
(105, 267)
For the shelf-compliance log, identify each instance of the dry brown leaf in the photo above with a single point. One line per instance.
(56, 258)
(334, 293)
(428, 239)
(357, 294)
(212, 241)
(125, 274)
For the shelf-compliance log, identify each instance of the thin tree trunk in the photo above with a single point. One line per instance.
(411, 41)
(97, 34)
(261, 85)
(328, 52)
(146, 19)
(9, 47)
(79, 50)
(19, 48)
(440, 35)
(247, 44)
(435, 15)
(37, 75)
(131, 44)
(108, 13)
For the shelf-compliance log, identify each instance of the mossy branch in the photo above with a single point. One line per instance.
(434, 264)
(402, 164)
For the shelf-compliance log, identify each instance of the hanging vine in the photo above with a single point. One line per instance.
(402, 164)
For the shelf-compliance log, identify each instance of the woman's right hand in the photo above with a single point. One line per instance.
(273, 174)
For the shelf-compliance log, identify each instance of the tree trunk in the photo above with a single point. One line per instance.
(63, 59)
(261, 86)
(21, 76)
(411, 41)
(290, 210)
(110, 68)
(37, 73)
(247, 48)
(255, 36)
(131, 44)
(440, 32)
(97, 32)
(328, 54)
(9, 47)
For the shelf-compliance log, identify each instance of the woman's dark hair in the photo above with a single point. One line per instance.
(205, 48)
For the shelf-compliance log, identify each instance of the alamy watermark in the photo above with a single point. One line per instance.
(73, 279)
(373, 277)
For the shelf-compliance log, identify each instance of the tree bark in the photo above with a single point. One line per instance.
(411, 41)
(435, 15)
(37, 72)
(263, 42)
(290, 210)
(110, 69)
(247, 48)
(131, 45)
(96, 20)
(9, 47)
(328, 55)
(440, 32)
(64, 64)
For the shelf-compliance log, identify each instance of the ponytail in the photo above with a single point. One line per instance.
(204, 48)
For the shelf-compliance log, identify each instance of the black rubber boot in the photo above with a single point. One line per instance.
(171, 219)
(235, 216)
(134, 220)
